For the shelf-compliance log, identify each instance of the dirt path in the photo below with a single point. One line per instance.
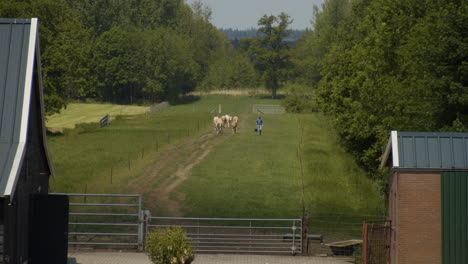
(173, 168)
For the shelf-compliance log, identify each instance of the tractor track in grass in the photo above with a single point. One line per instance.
(159, 181)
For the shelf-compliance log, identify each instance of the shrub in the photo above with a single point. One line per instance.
(299, 98)
(169, 246)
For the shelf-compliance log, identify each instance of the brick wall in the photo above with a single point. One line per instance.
(415, 211)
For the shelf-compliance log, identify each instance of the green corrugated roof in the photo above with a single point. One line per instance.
(427, 150)
(18, 43)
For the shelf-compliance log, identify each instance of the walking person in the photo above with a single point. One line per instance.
(259, 125)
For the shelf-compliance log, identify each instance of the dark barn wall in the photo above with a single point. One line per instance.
(33, 179)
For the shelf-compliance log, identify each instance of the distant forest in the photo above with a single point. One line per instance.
(235, 35)
(126, 52)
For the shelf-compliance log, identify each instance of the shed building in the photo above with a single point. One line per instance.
(428, 200)
(31, 221)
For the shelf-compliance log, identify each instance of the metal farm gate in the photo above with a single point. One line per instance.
(117, 220)
(105, 220)
(268, 109)
(238, 235)
(376, 242)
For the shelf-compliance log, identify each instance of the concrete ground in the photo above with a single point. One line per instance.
(141, 258)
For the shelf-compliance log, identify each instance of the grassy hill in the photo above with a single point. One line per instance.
(295, 166)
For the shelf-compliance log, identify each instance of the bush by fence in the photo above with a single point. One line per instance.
(169, 246)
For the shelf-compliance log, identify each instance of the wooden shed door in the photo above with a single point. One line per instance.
(454, 217)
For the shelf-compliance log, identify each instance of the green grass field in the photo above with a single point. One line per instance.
(295, 165)
(93, 159)
(261, 176)
(84, 113)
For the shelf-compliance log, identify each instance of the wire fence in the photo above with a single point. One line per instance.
(118, 221)
(268, 109)
(238, 235)
(376, 246)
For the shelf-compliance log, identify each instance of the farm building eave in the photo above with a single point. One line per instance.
(426, 151)
(398, 169)
(20, 75)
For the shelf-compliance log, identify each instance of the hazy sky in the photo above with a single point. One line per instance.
(243, 14)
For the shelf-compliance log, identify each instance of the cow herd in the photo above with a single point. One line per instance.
(225, 121)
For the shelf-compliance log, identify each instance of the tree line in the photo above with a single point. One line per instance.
(145, 51)
(371, 65)
(132, 51)
(381, 65)
(238, 34)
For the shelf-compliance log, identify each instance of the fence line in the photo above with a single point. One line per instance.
(118, 221)
(105, 219)
(153, 109)
(216, 110)
(376, 242)
(238, 235)
(268, 109)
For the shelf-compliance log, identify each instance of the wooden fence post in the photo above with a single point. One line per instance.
(364, 243)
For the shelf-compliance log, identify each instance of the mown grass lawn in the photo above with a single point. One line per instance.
(84, 113)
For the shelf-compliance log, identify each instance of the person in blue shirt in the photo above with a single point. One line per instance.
(259, 125)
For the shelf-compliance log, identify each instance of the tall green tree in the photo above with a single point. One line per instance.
(208, 45)
(235, 72)
(118, 54)
(65, 49)
(170, 68)
(270, 52)
(144, 66)
(315, 43)
(396, 65)
(102, 15)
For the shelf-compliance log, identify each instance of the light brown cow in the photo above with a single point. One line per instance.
(218, 124)
(234, 123)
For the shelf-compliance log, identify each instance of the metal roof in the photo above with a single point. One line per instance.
(18, 42)
(427, 150)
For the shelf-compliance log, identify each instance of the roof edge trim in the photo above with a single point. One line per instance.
(28, 80)
(386, 154)
(13, 178)
(403, 169)
(16, 167)
(395, 150)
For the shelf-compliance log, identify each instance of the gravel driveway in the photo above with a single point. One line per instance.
(141, 258)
